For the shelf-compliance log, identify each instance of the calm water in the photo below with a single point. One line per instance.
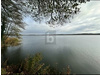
(81, 52)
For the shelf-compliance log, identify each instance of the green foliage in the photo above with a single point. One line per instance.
(33, 65)
(10, 41)
(3, 71)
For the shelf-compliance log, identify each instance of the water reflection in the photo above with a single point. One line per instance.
(80, 52)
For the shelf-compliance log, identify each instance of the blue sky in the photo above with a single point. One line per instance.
(87, 21)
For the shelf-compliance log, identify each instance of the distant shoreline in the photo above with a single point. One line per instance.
(54, 34)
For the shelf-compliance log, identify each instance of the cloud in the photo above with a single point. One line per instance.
(88, 20)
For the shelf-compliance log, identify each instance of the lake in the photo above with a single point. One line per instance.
(80, 52)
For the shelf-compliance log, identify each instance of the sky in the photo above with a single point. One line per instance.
(87, 21)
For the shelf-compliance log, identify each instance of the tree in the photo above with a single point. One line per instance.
(11, 18)
(53, 11)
